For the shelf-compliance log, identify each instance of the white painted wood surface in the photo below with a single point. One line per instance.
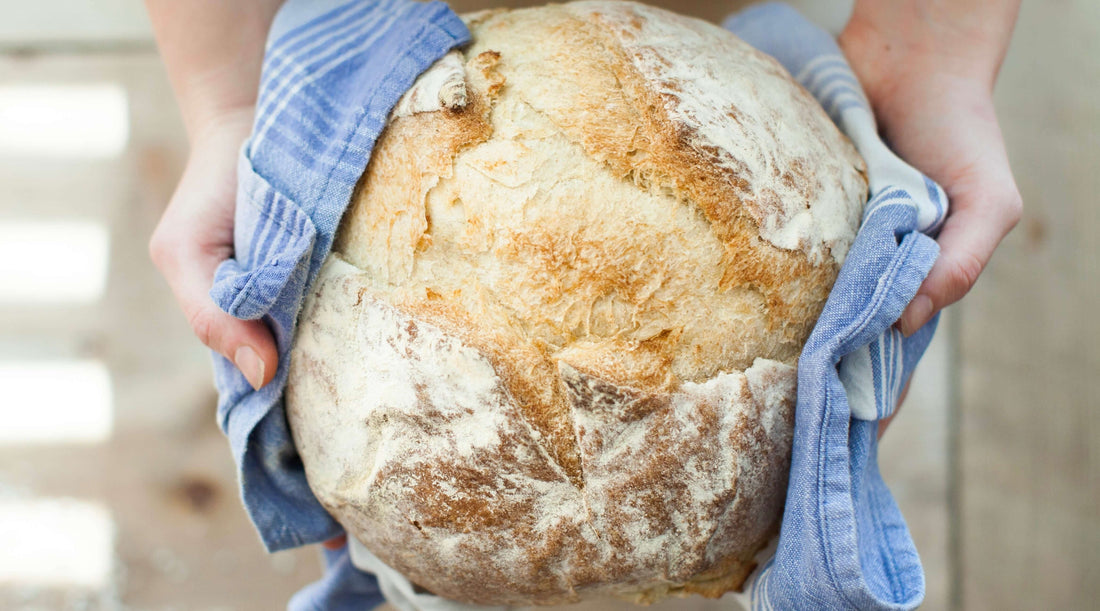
(1012, 521)
(107, 23)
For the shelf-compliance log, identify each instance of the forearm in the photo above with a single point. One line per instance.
(964, 38)
(213, 50)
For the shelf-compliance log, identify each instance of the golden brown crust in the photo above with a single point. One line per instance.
(423, 456)
(593, 313)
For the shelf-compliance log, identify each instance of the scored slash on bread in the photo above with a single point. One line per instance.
(552, 354)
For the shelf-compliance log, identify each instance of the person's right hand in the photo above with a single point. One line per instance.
(196, 234)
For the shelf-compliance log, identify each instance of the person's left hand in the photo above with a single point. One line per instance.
(196, 234)
(934, 105)
(937, 113)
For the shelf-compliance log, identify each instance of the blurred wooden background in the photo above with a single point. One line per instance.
(995, 459)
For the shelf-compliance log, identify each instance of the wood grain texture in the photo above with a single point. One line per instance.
(1030, 470)
(166, 475)
(1029, 522)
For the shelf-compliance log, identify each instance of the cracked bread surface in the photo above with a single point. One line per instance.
(552, 354)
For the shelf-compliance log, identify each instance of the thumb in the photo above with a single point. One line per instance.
(248, 344)
(981, 219)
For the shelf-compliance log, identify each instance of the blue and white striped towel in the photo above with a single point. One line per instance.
(843, 543)
(333, 69)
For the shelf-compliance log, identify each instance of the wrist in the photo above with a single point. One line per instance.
(903, 82)
(890, 40)
(213, 103)
(219, 128)
(213, 52)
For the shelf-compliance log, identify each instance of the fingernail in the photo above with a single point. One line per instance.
(915, 315)
(336, 542)
(250, 365)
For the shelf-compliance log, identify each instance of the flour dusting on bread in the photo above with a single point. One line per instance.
(552, 355)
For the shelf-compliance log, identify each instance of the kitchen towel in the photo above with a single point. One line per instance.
(332, 72)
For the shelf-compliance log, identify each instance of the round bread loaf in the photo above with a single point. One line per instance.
(552, 354)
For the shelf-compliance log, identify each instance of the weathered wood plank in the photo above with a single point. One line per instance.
(166, 475)
(1030, 343)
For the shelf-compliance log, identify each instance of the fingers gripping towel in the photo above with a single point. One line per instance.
(843, 543)
(332, 72)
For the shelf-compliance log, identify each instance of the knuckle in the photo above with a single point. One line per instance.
(962, 275)
(203, 323)
(1013, 208)
(161, 250)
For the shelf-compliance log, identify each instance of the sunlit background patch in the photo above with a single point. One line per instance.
(88, 121)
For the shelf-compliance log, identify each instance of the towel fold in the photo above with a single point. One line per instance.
(332, 72)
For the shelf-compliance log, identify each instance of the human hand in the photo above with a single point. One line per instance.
(929, 78)
(196, 234)
(212, 50)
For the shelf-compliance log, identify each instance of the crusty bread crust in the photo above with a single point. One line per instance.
(552, 354)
